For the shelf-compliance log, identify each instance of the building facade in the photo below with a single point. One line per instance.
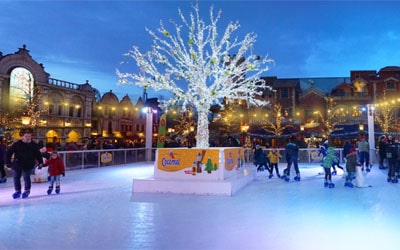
(69, 112)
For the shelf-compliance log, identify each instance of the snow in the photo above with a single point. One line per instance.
(96, 210)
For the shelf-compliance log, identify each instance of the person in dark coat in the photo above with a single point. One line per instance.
(292, 157)
(382, 151)
(25, 155)
(3, 178)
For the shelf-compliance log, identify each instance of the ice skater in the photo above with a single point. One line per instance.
(292, 157)
(324, 152)
(363, 153)
(56, 169)
(274, 157)
(261, 161)
(3, 150)
(327, 164)
(26, 155)
(351, 163)
(391, 150)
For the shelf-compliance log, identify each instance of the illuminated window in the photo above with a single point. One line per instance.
(21, 87)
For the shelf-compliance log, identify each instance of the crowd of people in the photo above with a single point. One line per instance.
(24, 155)
(354, 155)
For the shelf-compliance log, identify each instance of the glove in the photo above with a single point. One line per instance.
(39, 166)
(63, 174)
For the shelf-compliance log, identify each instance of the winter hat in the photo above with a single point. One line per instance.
(40, 144)
(352, 150)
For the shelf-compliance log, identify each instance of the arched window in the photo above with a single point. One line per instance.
(21, 88)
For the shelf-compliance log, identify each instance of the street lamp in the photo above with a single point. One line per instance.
(149, 131)
(371, 132)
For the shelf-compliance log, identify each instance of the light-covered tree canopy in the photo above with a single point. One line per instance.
(199, 66)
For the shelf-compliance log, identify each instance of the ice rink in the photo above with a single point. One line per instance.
(96, 210)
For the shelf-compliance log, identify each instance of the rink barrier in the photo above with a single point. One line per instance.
(93, 158)
(82, 159)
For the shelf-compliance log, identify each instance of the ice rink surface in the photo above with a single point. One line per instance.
(96, 210)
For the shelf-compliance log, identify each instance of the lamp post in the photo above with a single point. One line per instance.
(149, 132)
(371, 132)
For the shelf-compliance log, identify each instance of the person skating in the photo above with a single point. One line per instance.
(327, 164)
(292, 157)
(351, 163)
(261, 161)
(391, 149)
(3, 178)
(363, 153)
(274, 157)
(56, 169)
(26, 154)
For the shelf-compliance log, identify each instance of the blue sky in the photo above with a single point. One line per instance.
(84, 40)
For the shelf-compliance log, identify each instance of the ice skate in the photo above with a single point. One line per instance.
(50, 190)
(331, 185)
(297, 178)
(270, 176)
(349, 184)
(26, 194)
(16, 195)
(326, 184)
(57, 189)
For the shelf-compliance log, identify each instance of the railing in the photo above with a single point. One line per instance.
(81, 159)
(65, 84)
(306, 155)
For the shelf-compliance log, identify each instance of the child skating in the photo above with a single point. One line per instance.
(56, 169)
(327, 164)
(351, 163)
(274, 157)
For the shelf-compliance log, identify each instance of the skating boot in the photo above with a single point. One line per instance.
(286, 178)
(270, 176)
(57, 189)
(50, 190)
(279, 176)
(394, 180)
(297, 178)
(334, 172)
(348, 184)
(326, 184)
(25, 194)
(16, 195)
(331, 185)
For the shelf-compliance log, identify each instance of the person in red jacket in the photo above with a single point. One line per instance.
(56, 169)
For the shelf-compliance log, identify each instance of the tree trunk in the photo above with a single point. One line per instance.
(202, 140)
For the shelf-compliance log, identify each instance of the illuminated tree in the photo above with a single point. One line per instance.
(275, 125)
(30, 109)
(384, 116)
(200, 69)
(331, 117)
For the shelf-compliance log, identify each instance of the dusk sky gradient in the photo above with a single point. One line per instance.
(85, 40)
